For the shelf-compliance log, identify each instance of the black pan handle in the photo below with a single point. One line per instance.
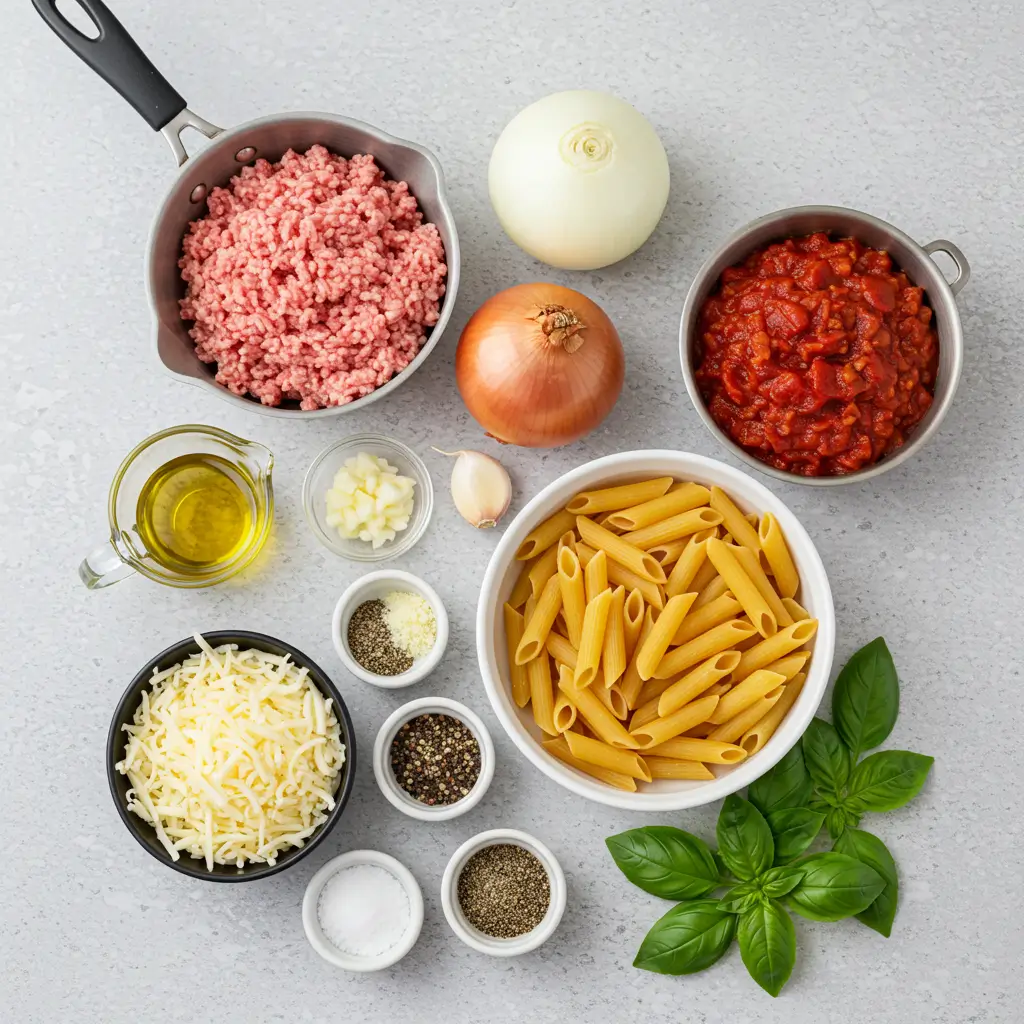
(117, 59)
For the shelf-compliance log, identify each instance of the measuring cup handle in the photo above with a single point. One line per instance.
(102, 567)
(117, 59)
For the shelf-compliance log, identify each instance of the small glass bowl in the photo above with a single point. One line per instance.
(320, 477)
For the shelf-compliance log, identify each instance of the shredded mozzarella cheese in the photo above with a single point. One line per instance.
(233, 756)
(369, 500)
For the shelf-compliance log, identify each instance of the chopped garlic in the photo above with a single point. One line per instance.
(369, 500)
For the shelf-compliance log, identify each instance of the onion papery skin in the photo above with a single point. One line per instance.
(526, 391)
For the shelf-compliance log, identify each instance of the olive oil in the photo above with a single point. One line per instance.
(195, 513)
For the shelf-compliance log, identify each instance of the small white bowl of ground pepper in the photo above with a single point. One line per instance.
(433, 759)
(503, 892)
(390, 629)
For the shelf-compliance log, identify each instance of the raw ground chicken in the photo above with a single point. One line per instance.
(313, 279)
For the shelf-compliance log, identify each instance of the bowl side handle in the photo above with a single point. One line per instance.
(963, 268)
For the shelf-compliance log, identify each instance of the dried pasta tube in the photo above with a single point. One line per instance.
(686, 748)
(733, 520)
(544, 536)
(762, 730)
(542, 569)
(722, 638)
(687, 566)
(790, 665)
(574, 601)
(522, 588)
(697, 680)
(742, 695)
(752, 567)
(613, 651)
(686, 717)
(538, 625)
(795, 609)
(731, 731)
(608, 499)
(674, 527)
(742, 587)
(514, 624)
(784, 642)
(656, 644)
(603, 723)
(595, 621)
(626, 762)
(700, 619)
(564, 714)
(560, 749)
(596, 575)
(677, 501)
(776, 554)
(542, 694)
(668, 553)
(632, 620)
(621, 551)
(669, 768)
(631, 682)
(561, 650)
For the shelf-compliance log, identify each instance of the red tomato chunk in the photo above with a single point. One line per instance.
(817, 356)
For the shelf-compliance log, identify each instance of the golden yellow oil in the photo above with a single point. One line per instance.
(195, 513)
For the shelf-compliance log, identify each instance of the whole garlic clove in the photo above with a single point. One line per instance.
(481, 487)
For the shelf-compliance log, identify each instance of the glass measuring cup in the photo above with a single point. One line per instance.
(126, 552)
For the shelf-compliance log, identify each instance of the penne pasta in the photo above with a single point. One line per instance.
(678, 500)
(595, 575)
(542, 569)
(632, 620)
(542, 695)
(631, 683)
(514, 625)
(731, 731)
(619, 550)
(688, 564)
(539, 624)
(681, 525)
(742, 587)
(722, 638)
(668, 553)
(700, 619)
(708, 584)
(784, 642)
(733, 519)
(700, 731)
(686, 717)
(564, 713)
(603, 723)
(764, 728)
(696, 681)
(625, 762)
(742, 695)
(595, 621)
(545, 535)
(670, 768)
(568, 539)
(658, 640)
(621, 576)
(624, 496)
(613, 652)
(791, 665)
(752, 567)
(686, 748)
(796, 610)
(560, 749)
(574, 601)
(561, 650)
(522, 588)
(646, 712)
(776, 553)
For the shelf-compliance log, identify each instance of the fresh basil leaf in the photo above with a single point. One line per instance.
(689, 938)
(740, 897)
(887, 780)
(834, 886)
(794, 829)
(768, 945)
(724, 875)
(822, 805)
(826, 756)
(665, 861)
(744, 839)
(787, 784)
(836, 821)
(870, 850)
(776, 882)
(866, 699)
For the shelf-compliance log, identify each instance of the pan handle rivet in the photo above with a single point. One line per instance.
(198, 194)
(245, 154)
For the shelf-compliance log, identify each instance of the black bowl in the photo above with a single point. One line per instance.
(119, 785)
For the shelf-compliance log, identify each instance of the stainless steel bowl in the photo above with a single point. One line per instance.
(913, 259)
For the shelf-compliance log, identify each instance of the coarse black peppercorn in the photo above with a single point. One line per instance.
(435, 759)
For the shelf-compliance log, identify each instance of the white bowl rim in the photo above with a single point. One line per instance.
(382, 745)
(311, 921)
(799, 717)
(420, 669)
(521, 943)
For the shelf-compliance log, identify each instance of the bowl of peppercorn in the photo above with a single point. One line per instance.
(433, 759)
(390, 629)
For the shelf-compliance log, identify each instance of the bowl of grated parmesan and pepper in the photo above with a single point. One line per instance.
(390, 629)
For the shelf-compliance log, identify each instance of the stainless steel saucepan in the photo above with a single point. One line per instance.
(116, 58)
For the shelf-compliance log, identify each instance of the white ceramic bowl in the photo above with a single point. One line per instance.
(385, 777)
(374, 586)
(311, 922)
(749, 495)
(475, 938)
(320, 478)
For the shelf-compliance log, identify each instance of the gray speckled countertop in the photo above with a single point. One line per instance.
(910, 110)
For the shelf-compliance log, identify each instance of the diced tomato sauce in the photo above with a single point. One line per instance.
(817, 356)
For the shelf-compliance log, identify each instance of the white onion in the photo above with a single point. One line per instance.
(579, 179)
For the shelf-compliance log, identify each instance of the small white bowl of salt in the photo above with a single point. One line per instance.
(363, 911)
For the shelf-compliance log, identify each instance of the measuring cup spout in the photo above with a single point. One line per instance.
(103, 567)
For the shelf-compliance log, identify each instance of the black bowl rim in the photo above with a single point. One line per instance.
(131, 697)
